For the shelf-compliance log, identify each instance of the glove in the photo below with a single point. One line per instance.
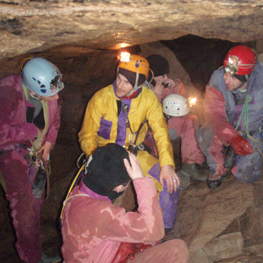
(127, 251)
(122, 255)
(140, 247)
(241, 145)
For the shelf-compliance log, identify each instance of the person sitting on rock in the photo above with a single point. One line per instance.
(94, 230)
(233, 111)
(121, 113)
(181, 124)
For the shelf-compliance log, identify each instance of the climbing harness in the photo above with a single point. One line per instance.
(133, 148)
(231, 155)
(43, 167)
(248, 133)
(43, 174)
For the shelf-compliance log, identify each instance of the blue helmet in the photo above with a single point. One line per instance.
(42, 77)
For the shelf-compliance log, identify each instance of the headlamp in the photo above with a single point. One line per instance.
(56, 84)
(192, 101)
(125, 57)
(231, 66)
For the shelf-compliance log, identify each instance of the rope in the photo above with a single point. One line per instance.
(134, 134)
(71, 186)
(78, 160)
(245, 112)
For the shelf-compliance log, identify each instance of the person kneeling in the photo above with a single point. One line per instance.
(94, 230)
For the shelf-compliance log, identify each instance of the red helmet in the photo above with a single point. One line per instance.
(240, 60)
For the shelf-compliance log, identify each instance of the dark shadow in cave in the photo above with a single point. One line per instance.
(200, 56)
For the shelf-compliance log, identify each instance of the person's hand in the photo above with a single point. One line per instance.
(134, 169)
(45, 150)
(169, 175)
(241, 145)
(170, 83)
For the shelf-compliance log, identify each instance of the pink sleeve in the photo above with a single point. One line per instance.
(13, 125)
(214, 114)
(109, 222)
(178, 88)
(55, 122)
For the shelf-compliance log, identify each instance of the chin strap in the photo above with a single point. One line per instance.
(136, 87)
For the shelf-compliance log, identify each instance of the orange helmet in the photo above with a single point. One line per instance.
(240, 60)
(136, 64)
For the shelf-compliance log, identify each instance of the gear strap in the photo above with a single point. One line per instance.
(37, 159)
(128, 125)
(245, 112)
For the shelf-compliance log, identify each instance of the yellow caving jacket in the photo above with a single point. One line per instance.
(105, 122)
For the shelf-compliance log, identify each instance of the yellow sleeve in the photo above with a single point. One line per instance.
(160, 132)
(91, 124)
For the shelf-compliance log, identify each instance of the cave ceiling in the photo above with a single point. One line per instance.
(36, 26)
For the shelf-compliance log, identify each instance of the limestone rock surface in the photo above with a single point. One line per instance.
(29, 26)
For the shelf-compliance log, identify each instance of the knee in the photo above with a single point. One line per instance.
(247, 176)
(247, 179)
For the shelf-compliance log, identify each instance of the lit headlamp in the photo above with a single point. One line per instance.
(125, 57)
(231, 67)
(191, 101)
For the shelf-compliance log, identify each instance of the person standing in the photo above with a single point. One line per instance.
(29, 123)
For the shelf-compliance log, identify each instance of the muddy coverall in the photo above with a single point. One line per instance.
(223, 112)
(95, 236)
(183, 127)
(16, 130)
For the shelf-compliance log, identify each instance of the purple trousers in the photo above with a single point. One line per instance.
(168, 202)
(19, 174)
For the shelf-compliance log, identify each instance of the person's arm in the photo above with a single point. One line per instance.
(109, 222)
(13, 127)
(90, 125)
(160, 133)
(159, 128)
(55, 106)
(174, 87)
(215, 115)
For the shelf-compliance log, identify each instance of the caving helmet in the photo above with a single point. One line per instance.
(240, 60)
(42, 77)
(135, 68)
(175, 105)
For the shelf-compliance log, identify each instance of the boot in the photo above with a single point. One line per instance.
(48, 259)
(184, 179)
(214, 184)
(215, 181)
(195, 171)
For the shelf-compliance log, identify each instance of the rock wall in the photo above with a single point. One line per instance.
(29, 26)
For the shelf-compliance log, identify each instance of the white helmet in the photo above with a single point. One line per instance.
(175, 105)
